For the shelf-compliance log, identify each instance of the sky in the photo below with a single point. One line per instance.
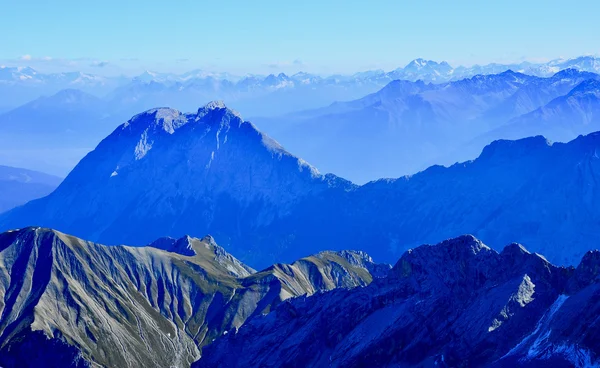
(327, 36)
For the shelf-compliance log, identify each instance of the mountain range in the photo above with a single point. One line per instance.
(456, 304)
(66, 302)
(19, 186)
(19, 85)
(165, 173)
(164, 179)
(275, 94)
(423, 124)
(374, 116)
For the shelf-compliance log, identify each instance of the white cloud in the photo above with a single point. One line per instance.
(99, 64)
(286, 64)
(26, 57)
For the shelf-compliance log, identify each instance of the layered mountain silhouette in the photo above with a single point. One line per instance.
(395, 115)
(562, 118)
(66, 302)
(165, 173)
(19, 186)
(421, 124)
(52, 133)
(455, 304)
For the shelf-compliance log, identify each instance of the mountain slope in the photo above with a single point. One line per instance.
(18, 186)
(66, 302)
(458, 303)
(530, 190)
(168, 174)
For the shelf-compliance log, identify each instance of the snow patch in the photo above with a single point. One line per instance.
(546, 318)
(212, 157)
(143, 146)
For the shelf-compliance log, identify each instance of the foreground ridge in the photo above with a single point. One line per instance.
(457, 303)
(66, 302)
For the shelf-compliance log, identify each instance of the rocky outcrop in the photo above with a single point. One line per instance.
(455, 304)
(66, 302)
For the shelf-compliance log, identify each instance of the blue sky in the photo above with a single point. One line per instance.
(114, 36)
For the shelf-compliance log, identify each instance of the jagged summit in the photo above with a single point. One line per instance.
(213, 105)
(171, 119)
(420, 63)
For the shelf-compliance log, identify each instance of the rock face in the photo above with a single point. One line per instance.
(455, 304)
(65, 302)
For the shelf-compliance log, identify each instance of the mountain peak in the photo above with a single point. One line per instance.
(208, 239)
(587, 272)
(429, 66)
(69, 96)
(182, 245)
(163, 118)
(501, 149)
(419, 63)
(433, 264)
(515, 248)
(590, 86)
(570, 73)
(214, 105)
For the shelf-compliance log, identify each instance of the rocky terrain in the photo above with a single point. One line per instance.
(66, 302)
(455, 304)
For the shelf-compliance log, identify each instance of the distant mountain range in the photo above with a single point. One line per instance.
(66, 302)
(165, 173)
(253, 95)
(454, 304)
(19, 85)
(19, 186)
(408, 126)
(53, 133)
(417, 123)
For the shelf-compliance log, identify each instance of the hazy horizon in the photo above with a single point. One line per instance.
(115, 38)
